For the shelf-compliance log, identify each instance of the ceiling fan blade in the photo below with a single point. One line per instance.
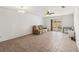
(49, 13)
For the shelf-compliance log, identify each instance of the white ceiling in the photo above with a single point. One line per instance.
(41, 10)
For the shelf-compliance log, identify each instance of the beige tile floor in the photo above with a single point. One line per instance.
(46, 42)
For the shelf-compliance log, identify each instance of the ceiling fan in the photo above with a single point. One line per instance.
(21, 9)
(51, 12)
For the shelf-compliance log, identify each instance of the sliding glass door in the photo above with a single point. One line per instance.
(56, 25)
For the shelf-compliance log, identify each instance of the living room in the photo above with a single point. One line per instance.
(17, 23)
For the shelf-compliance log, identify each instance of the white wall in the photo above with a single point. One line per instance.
(14, 24)
(76, 24)
(67, 20)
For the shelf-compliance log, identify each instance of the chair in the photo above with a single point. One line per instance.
(38, 29)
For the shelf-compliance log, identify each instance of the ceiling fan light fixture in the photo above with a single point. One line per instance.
(21, 11)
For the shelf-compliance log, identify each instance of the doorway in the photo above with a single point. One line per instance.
(56, 25)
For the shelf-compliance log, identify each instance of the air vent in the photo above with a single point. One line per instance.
(63, 7)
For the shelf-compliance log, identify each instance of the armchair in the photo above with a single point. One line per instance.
(38, 29)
